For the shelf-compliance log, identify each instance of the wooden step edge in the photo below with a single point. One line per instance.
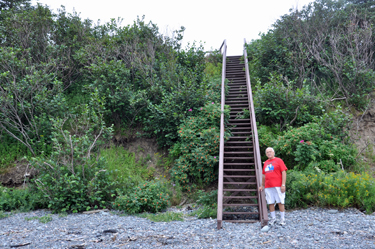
(240, 197)
(240, 205)
(238, 170)
(239, 176)
(239, 190)
(239, 183)
(242, 221)
(240, 212)
(238, 147)
(238, 142)
(238, 152)
(238, 158)
(239, 164)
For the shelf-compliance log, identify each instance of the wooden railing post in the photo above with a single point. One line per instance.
(263, 214)
(223, 48)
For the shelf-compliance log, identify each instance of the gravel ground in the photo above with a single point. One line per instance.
(308, 228)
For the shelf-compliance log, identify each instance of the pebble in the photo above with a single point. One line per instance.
(333, 211)
(306, 228)
(265, 229)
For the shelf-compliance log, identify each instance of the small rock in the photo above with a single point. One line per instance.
(332, 211)
(110, 231)
(265, 229)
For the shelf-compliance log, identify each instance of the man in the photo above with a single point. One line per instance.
(273, 182)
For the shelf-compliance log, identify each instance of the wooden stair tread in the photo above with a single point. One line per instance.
(240, 213)
(239, 190)
(238, 152)
(239, 183)
(240, 205)
(239, 170)
(238, 164)
(242, 221)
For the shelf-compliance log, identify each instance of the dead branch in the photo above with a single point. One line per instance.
(294, 116)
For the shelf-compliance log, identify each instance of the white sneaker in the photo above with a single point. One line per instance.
(282, 222)
(272, 221)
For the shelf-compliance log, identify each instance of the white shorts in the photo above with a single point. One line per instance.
(274, 195)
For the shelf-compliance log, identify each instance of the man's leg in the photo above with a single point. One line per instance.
(272, 207)
(282, 213)
(272, 212)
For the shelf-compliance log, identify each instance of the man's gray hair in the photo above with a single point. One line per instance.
(271, 149)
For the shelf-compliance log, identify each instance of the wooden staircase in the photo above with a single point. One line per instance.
(238, 197)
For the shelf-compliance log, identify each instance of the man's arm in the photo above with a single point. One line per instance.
(263, 182)
(283, 180)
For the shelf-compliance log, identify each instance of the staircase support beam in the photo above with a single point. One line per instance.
(221, 154)
(263, 214)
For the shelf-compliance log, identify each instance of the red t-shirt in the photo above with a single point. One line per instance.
(272, 168)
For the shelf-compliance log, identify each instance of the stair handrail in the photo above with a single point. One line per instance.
(257, 159)
(221, 153)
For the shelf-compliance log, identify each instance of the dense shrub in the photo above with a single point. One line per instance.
(20, 199)
(199, 147)
(336, 123)
(208, 202)
(72, 178)
(76, 192)
(178, 102)
(308, 144)
(146, 197)
(339, 189)
(282, 105)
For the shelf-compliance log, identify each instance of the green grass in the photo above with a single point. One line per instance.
(162, 217)
(31, 218)
(9, 152)
(63, 215)
(3, 215)
(123, 167)
(43, 219)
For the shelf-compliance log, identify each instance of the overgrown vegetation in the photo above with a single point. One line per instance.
(198, 150)
(339, 190)
(310, 70)
(67, 86)
(146, 197)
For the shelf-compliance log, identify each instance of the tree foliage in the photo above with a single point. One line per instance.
(328, 46)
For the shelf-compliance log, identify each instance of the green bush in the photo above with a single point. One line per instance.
(20, 199)
(199, 147)
(339, 189)
(335, 123)
(74, 178)
(277, 104)
(309, 143)
(207, 198)
(178, 103)
(146, 197)
(208, 202)
(75, 192)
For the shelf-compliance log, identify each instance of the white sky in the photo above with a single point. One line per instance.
(205, 20)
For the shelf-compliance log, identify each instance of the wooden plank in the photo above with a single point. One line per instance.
(221, 151)
(262, 201)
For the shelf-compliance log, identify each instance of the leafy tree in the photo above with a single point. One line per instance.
(28, 95)
(73, 178)
(10, 4)
(327, 46)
